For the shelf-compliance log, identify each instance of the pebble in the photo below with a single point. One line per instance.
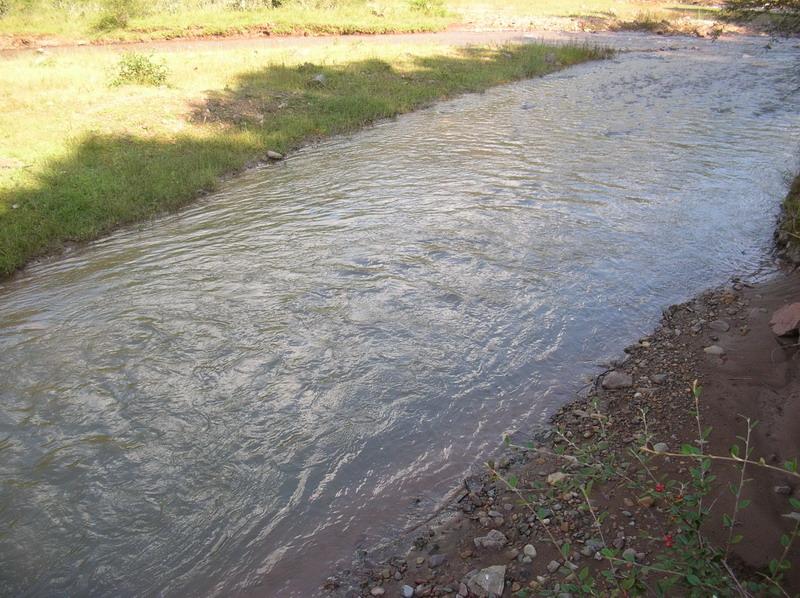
(658, 378)
(408, 592)
(783, 490)
(616, 379)
(661, 447)
(436, 560)
(553, 566)
(556, 478)
(273, 155)
(646, 501)
(379, 591)
(529, 550)
(629, 554)
(715, 350)
(720, 326)
(494, 540)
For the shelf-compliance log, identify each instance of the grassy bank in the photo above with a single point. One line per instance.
(114, 20)
(788, 234)
(80, 156)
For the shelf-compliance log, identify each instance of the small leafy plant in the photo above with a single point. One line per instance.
(139, 69)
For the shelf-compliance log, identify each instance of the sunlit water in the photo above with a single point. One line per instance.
(231, 399)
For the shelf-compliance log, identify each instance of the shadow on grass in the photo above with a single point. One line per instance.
(107, 181)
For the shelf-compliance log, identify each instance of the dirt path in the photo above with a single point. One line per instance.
(454, 37)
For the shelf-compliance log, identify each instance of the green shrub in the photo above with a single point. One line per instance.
(117, 13)
(138, 69)
(429, 7)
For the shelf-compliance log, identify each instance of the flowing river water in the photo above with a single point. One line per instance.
(233, 398)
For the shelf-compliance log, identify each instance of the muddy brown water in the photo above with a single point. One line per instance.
(233, 399)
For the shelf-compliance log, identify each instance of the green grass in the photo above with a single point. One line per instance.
(120, 20)
(789, 233)
(79, 157)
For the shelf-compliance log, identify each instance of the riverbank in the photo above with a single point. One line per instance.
(137, 135)
(34, 24)
(616, 496)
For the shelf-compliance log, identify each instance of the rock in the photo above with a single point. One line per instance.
(715, 350)
(379, 591)
(553, 566)
(319, 79)
(786, 320)
(273, 155)
(783, 490)
(556, 478)
(494, 540)
(592, 546)
(436, 560)
(720, 326)
(408, 592)
(529, 550)
(629, 554)
(661, 447)
(486, 582)
(646, 501)
(616, 379)
(463, 590)
(658, 378)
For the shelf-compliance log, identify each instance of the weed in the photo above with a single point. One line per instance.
(138, 69)
(688, 563)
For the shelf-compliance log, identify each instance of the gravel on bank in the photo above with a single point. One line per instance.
(489, 542)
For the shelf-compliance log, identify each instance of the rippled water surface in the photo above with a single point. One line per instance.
(231, 399)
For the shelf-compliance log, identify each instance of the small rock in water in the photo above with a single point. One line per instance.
(407, 591)
(529, 550)
(617, 379)
(661, 447)
(715, 350)
(487, 582)
(720, 326)
(273, 155)
(786, 320)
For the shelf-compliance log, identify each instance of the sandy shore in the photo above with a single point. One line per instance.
(751, 373)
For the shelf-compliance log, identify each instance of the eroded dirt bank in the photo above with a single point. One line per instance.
(493, 537)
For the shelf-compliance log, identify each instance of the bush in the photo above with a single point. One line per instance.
(429, 7)
(117, 13)
(138, 69)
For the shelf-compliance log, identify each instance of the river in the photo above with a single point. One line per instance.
(232, 399)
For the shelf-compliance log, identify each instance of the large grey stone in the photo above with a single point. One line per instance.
(487, 583)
